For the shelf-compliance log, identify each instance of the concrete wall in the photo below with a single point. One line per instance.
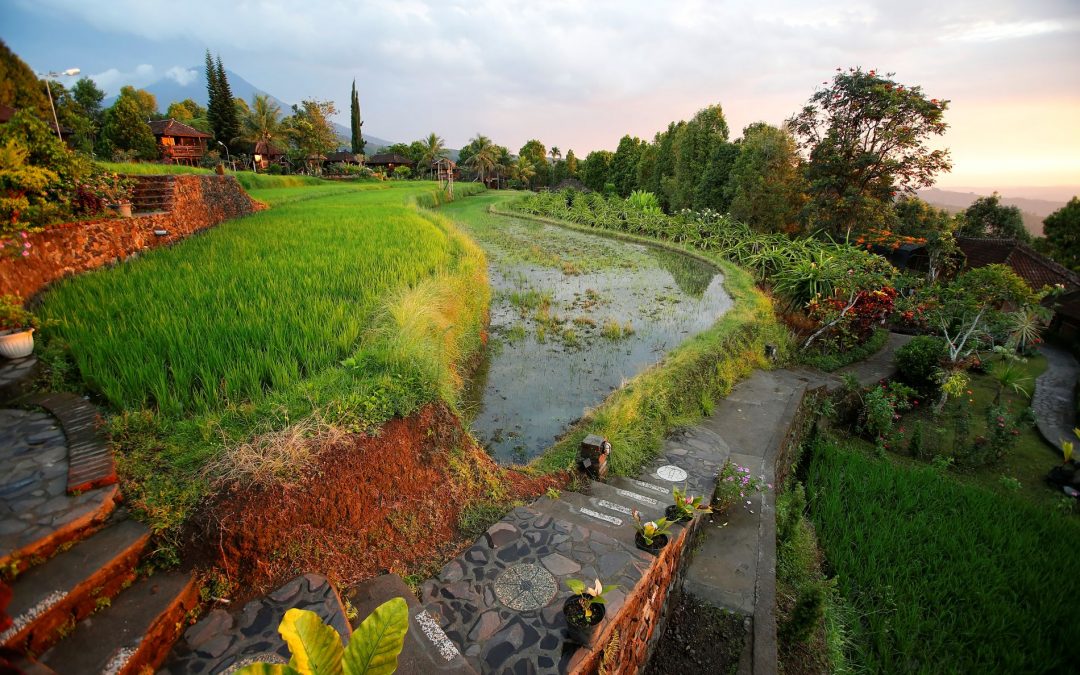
(198, 202)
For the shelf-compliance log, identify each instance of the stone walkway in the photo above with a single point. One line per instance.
(34, 502)
(1053, 400)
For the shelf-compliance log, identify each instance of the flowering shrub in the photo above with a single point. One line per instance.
(12, 315)
(886, 239)
(882, 406)
(852, 319)
(736, 483)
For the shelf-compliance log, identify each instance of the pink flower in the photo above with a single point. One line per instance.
(26, 254)
(24, 234)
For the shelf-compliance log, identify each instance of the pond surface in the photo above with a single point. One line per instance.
(573, 316)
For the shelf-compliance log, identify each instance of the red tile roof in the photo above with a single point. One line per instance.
(174, 128)
(1036, 269)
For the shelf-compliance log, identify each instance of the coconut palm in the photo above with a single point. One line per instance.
(262, 122)
(556, 155)
(484, 158)
(434, 149)
(523, 170)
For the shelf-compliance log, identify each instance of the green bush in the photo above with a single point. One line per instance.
(835, 361)
(918, 361)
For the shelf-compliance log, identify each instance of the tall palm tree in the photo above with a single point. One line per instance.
(523, 170)
(484, 157)
(556, 154)
(434, 149)
(262, 122)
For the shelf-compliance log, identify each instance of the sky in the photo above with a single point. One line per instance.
(579, 75)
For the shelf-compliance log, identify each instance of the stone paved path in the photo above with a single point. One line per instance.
(33, 488)
(1053, 402)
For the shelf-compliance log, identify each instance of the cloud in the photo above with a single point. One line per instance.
(112, 79)
(581, 74)
(991, 31)
(182, 76)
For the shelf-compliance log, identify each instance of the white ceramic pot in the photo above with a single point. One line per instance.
(18, 344)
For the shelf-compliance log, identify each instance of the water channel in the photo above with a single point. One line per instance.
(573, 316)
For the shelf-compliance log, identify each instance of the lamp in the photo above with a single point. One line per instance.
(70, 72)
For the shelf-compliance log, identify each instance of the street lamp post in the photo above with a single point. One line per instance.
(227, 158)
(48, 77)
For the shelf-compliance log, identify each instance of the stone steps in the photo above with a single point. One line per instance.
(222, 641)
(49, 598)
(132, 635)
(90, 461)
(426, 649)
(153, 193)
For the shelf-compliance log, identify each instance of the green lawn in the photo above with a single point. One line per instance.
(943, 576)
(244, 328)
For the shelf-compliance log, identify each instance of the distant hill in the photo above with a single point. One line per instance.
(169, 90)
(1033, 211)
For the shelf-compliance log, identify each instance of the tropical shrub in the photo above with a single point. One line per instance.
(918, 361)
(736, 483)
(316, 647)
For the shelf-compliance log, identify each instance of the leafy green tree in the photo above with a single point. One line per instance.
(433, 149)
(523, 170)
(696, 143)
(356, 138)
(866, 136)
(310, 127)
(72, 117)
(20, 87)
(536, 154)
(1062, 231)
(88, 97)
(185, 111)
(594, 173)
(571, 164)
(125, 127)
(623, 171)
(916, 218)
(766, 181)
(714, 189)
(988, 217)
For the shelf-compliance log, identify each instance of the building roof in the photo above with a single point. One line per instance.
(174, 128)
(268, 149)
(389, 158)
(342, 156)
(1033, 267)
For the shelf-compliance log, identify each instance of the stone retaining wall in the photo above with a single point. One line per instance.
(199, 202)
(640, 620)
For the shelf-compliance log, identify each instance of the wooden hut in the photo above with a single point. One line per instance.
(265, 153)
(179, 143)
(388, 161)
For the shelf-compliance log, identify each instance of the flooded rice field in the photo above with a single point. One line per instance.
(573, 316)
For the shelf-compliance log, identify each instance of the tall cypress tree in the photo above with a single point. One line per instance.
(213, 105)
(230, 124)
(355, 122)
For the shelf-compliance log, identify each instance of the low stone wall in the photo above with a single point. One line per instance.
(199, 202)
(639, 622)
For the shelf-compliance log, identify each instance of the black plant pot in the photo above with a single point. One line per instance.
(672, 513)
(659, 542)
(578, 629)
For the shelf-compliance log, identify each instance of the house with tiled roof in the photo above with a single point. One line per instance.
(1038, 271)
(178, 142)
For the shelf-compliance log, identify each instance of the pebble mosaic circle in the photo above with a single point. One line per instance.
(672, 473)
(524, 587)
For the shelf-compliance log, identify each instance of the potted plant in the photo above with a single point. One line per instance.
(651, 536)
(735, 483)
(685, 507)
(584, 610)
(16, 328)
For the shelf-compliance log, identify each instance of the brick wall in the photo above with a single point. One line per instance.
(198, 202)
(639, 620)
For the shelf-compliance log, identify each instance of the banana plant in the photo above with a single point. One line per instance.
(316, 647)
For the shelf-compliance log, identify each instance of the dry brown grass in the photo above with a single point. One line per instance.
(275, 457)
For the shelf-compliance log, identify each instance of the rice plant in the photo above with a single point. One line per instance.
(943, 576)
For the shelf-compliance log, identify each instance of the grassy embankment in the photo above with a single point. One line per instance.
(244, 329)
(946, 576)
(687, 381)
